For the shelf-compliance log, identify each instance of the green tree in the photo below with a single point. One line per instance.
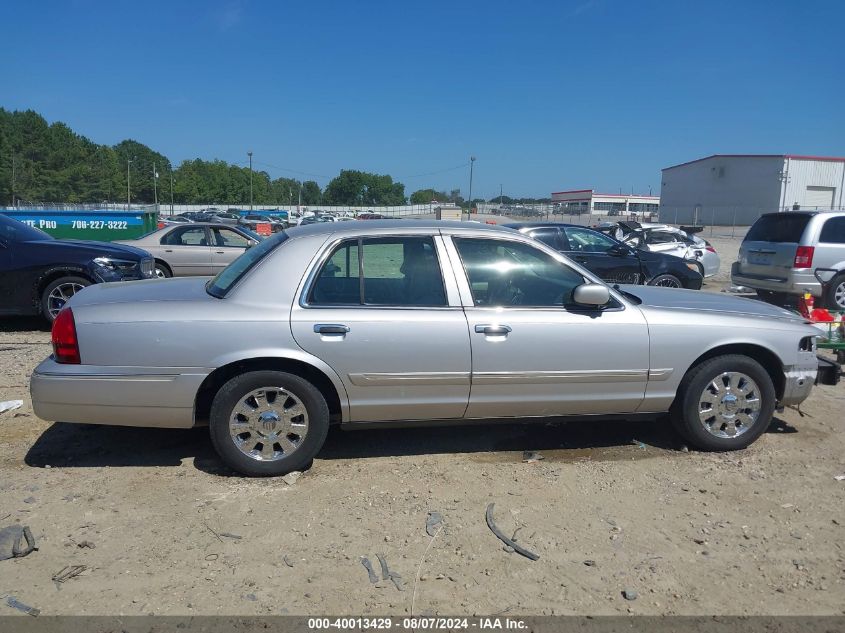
(354, 187)
(424, 196)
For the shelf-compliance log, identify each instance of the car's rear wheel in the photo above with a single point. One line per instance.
(162, 270)
(58, 293)
(724, 403)
(666, 281)
(835, 293)
(267, 423)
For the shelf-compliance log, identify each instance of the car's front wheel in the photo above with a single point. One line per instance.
(58, 293)
(162, 270)
(724, 403)
(267, 423)
(667, 281)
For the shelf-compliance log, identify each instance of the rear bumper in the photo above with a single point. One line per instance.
(118, 396)
(795, 283)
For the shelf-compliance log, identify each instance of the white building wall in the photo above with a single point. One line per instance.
(721, 190)
(804, 173)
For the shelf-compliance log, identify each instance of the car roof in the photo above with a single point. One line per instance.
(381, 225)
(539, 225)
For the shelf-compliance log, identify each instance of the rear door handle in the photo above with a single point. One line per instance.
(331, 328)
(493, 330)
(220, 252)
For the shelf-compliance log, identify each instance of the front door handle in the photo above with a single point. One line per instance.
(493, 330)
(331, 328)
(220, 252)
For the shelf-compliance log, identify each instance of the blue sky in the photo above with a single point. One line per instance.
(547, 95)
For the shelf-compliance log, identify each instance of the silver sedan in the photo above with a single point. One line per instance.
(402, 323)
(194, 249)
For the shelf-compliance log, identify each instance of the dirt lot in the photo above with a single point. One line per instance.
(163, 528)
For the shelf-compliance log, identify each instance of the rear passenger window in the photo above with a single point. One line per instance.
(833, 231)
(390, 271)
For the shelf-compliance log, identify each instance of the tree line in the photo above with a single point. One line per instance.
(42, 162)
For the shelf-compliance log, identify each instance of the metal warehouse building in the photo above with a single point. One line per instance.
(587, 201)
(727, 189)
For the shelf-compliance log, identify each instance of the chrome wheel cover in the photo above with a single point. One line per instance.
(668, 283)
(159, 272)
(839, 295)
(729, 405)
(60, 295)
(268, 424)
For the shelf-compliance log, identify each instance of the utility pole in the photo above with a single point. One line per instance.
(128, 189)
(250, 179)
(171, 192)
(471, 163)
(155, 186)
(501, 197)
(299, 202)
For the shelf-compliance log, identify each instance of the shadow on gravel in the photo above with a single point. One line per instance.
(87, 446)
(24, 324)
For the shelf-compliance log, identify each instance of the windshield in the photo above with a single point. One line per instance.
(15, 231)
(227, 278)
(779, 227)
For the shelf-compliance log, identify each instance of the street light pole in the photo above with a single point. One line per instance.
(171, 192)
(155, 186)
(250, 179)
(471, 163)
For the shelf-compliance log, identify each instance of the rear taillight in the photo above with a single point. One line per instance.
(804, 257)
(65, 345)
(710, 249)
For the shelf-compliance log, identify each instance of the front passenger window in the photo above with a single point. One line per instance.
(505, 273)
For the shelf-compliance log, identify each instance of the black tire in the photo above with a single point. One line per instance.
(685, 410)
(231, 393)
(51, 304)
(836, 286)
(668, 281)
(164, 269)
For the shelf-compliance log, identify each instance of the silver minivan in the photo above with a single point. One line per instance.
(793, 252)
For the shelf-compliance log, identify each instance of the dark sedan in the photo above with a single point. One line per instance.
(38, 273)
(612, 260)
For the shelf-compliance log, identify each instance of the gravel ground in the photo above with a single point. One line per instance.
(161, 527)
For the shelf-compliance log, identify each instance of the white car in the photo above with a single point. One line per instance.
(662, 238)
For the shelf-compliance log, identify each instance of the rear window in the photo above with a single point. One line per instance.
(234, 272)
(779, 227)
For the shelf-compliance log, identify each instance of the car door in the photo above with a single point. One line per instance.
(382, 314)
(535, 353)
(602, 255)
(186, 250)
(226, 246)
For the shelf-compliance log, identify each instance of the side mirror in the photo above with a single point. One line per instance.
(619, 249)
(591, 295)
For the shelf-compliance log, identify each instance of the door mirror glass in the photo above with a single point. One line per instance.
(591, 295)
